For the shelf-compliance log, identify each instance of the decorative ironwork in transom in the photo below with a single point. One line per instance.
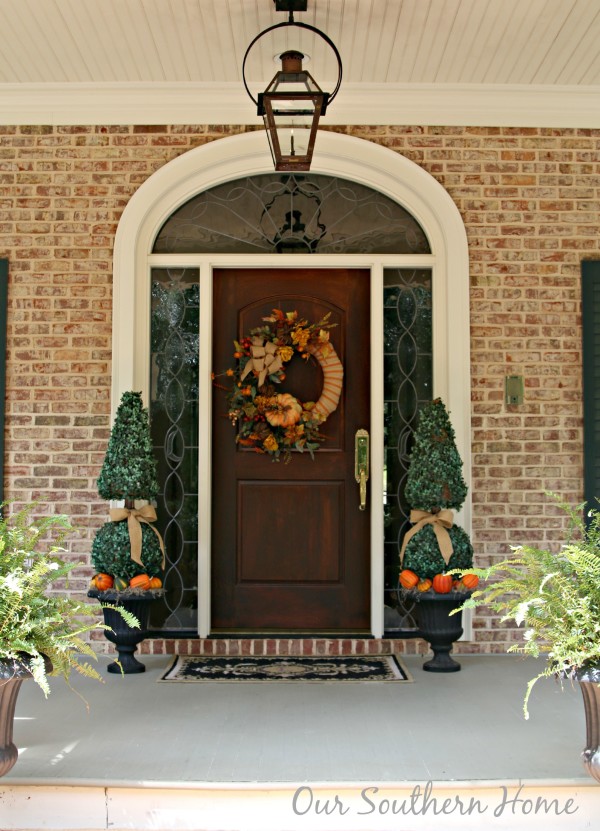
(291, 213)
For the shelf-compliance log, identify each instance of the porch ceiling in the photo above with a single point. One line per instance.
(496, 62)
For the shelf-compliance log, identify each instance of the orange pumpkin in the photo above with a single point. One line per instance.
(442, 583)
(155, 583)
(408, 579)
(140, 581)
(470, 581)
(424, 585)
(286, 412)
(103, 582)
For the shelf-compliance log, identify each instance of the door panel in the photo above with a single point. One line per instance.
(290, 548)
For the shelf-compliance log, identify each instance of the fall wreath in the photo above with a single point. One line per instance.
(275, 422)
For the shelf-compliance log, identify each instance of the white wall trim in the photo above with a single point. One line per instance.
(499, 105)
(338, 155)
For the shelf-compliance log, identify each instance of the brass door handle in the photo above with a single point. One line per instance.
(361, 464)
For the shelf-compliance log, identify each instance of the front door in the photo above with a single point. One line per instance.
(290, 547)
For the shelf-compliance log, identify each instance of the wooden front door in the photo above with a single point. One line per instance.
(290, 547)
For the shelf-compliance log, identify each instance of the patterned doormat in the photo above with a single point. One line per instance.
(290, 668)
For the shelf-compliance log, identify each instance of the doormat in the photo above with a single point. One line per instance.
(243, 669)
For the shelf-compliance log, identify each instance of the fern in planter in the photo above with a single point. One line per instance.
(37, 623)
(554, 596)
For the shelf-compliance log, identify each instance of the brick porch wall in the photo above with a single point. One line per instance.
(530, 200)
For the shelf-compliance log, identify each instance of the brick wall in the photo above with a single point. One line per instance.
(530, 200)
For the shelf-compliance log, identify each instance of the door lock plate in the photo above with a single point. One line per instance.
(361, 464)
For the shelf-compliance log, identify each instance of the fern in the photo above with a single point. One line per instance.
(36, 622)
(554, 596)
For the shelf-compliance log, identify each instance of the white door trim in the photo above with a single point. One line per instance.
(338, 155)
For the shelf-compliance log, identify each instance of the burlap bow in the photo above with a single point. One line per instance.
(265, 360)
(134, 517)
(440, 521)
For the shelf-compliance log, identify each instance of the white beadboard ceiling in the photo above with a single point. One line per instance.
(480, 62)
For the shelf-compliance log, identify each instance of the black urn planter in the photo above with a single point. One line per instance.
(589, 683)
(124, 636)
(12, 675)
(438, 627)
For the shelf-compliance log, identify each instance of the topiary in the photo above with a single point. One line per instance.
(111, 551)
(129, 468)
(128, 473)
(435, 473)
(435, 484)
(422, 554)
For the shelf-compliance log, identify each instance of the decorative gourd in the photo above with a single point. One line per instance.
(120, 584)
(424, 585)
(408, 579)
(103, 582)
(140, 581)
(442, 583)
(155, 583)
(287, 411)
(470, 581)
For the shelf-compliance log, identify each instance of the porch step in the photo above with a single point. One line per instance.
(279, 645)
(378, 806)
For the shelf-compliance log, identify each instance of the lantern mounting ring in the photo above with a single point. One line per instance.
(298, 25)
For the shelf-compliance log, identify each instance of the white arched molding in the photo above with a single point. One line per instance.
(346, 157)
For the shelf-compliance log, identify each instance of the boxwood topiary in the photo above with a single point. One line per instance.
(422, 554)
(435, 483)
(129, 468)
(435, 477)
(111, 551)
(129, 474)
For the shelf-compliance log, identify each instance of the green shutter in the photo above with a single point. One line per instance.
(590, 313)
(3, 303)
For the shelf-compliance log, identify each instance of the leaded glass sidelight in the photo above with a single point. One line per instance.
(174, 425)
(291, 213)
(408, 382)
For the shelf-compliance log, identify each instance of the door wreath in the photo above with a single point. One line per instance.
(275, 422)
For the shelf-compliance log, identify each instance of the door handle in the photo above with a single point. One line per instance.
(361, 464)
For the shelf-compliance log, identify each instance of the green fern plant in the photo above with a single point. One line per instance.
(37, 623)
(554, 596)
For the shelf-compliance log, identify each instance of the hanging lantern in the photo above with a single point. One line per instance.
(293, 102)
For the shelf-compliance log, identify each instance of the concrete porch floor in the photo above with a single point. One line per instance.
(460, 731)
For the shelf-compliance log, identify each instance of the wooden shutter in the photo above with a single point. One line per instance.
(590, 303)
(3, 303)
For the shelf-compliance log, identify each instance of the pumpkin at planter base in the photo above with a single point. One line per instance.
(408, 579)
(442, 583)
(140, 581)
